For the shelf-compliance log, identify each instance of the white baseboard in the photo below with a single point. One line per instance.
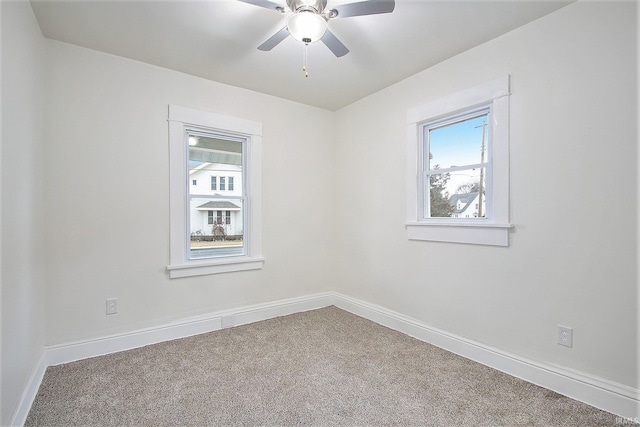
(65, 353)
(256, 313)
(609, 396)
(19, 416)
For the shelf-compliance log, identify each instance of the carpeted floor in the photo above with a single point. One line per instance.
(324, 367)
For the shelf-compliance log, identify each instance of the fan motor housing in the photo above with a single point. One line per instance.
(316, 6)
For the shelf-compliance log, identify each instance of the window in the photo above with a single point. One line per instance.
(455, 165)
(230, 186)
(194, 182)
(205, 145)
(213, 151)
(458, 180)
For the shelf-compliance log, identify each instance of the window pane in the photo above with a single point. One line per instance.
(210, 157)
(455, 162)
(216, 227)
(457, 144)
(460, 194)
(216, 221)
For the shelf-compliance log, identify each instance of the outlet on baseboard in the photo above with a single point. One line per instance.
(565, 336)
(112, 305)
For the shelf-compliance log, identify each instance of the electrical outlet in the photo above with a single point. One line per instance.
(565, 336)
(112, 305)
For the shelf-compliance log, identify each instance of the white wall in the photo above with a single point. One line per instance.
(108, 237)
(573, 143)
(22, 129)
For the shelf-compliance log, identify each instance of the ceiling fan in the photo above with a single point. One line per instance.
(309, 18)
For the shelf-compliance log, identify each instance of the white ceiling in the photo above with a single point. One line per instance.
(217, 40)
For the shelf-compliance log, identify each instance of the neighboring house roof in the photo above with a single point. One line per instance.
(465, 199)
(222, 205)
(212, 168)
(196, 166)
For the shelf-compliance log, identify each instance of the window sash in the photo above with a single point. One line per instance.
(218, 217)
(427, 171)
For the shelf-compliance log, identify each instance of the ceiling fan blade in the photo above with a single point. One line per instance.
(334, 45)
(267, 4)
(274, 40)
(367, 7)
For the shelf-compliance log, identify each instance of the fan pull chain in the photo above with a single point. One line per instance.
(304, 58)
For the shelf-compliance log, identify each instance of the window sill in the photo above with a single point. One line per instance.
(474, 233)
(226, 265)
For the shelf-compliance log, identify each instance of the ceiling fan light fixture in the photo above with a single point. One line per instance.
(307, 26)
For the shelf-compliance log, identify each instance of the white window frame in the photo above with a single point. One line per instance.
(493, 230)
(180, 120)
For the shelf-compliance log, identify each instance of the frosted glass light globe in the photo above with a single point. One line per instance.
(306, 26)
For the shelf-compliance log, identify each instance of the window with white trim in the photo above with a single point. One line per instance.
(201, 241)
(458, 177)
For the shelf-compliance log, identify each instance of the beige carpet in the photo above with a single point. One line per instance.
(324, 368)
